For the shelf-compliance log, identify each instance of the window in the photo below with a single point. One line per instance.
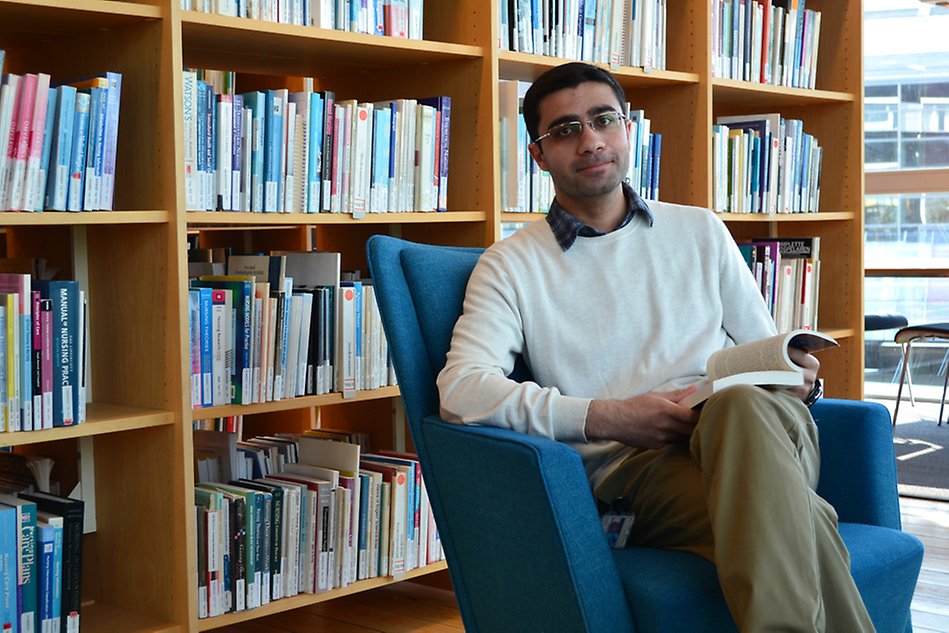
(906, 211)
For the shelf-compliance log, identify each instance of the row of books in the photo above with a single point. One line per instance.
(395, 18)
(788, 273)
(764, 163)
(58, 143)
(281, 326)
(614, 32)
(526, 188)
(765, 41)
(278, 151)
(290, 514)
(40, 563)
(42, 352)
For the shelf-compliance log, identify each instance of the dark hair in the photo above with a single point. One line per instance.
(565, 76)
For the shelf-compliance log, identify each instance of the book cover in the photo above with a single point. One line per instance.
(8, 569)
(762, 362)
(38, 197)
(9, 110)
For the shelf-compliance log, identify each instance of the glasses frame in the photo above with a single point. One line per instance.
(620, 117)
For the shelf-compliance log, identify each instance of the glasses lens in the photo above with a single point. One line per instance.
(565, 131)
(605, 121)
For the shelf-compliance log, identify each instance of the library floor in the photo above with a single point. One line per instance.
(407, 606)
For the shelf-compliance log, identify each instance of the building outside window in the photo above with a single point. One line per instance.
(906, 128)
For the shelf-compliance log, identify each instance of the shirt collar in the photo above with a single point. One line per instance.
(567, 228)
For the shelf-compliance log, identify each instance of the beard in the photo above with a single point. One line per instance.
(591, 178)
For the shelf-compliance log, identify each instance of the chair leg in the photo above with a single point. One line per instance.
(899, 391)
(942, 403)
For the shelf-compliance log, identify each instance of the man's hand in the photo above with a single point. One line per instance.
(810, 365)
(652, 420)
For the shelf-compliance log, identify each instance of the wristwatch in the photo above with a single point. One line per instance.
(815, 393)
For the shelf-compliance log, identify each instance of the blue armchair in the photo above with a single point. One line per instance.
(521, 533)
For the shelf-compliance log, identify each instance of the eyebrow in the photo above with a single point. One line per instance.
(597, 109)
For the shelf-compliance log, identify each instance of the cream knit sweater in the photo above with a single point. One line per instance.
(636, 310)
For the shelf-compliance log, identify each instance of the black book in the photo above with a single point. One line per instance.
(72, 512)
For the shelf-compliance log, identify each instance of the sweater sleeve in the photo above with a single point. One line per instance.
(745, 316)
(487, 339)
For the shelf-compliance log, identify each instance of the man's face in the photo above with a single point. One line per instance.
(591, 163)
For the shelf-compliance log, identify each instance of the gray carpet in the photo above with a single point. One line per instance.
(922, 459)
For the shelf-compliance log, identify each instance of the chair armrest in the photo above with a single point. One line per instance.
(858, 466)
(526, 500)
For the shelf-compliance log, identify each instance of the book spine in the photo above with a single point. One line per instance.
(20, 155)
(28, 569)
(39, 187)
(37, 360)
(77, 164)
(189, 82)
(8, 569)
(46, 327)
(111, 135)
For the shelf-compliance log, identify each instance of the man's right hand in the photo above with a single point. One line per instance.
(652, 420)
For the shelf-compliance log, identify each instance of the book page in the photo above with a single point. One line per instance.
(770, 354)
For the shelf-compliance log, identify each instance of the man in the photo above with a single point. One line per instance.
(616, 306)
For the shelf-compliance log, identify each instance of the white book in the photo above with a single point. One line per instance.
(8, 97)
(762, 362)
(425, 167)
(225, 108)
(189, 111)
(362, 158)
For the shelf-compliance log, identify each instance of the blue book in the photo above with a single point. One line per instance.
(207, 397)
(362, 565)
(64, 296)
(256, 101)
(96, 142)
(77, 160)
(241, 313)
(381, 153)
(315, 149)
(39, 196)
(57, 181)
(194, 337)
(201, 160)
(210, 147)
(50, 593)
(657, 155)
(110, 139)
(273, 142)
(27, 586)
(8, 569)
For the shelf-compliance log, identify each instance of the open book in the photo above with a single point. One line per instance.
(762, 362)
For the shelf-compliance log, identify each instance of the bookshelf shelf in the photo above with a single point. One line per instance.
(746, 93)
(290, 404)
(100, 419)
(210, 219)
(65, 18)
(823, 216)
(286, 604)
(314, 50)
(526, 67)
(60, 218)
(103, 618)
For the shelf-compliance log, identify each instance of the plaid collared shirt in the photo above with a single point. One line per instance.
(567, 228)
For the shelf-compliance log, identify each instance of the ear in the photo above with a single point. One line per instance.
(538, 155)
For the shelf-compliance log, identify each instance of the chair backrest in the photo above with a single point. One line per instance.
(500, 497)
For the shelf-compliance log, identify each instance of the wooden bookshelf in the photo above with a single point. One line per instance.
(140, 571)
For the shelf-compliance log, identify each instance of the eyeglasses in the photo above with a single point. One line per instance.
(603, 123)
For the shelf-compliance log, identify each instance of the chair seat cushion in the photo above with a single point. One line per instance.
(677, 591)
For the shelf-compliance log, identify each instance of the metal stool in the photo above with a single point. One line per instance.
(905, 337)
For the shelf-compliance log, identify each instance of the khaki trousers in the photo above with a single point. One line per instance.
(742, 496)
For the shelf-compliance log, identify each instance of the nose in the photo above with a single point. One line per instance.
(590, 139)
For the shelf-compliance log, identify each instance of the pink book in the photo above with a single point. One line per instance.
(37, 362)
(46, 326)
(23, 119)
(9, 143)
(35, 152)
